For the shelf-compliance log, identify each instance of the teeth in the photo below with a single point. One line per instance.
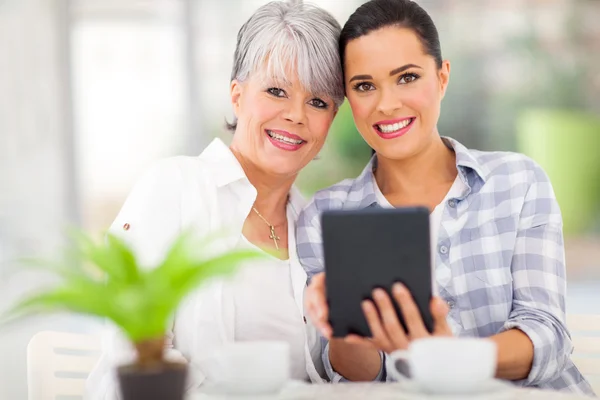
(283, 139)
(394, 127)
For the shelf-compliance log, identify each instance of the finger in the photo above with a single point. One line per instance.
(359, 340)
(379, 336)
(410, 312)
(326, 331)
(391, 324)
(316, 305)
(322, 326)
(439, 312)
(319, 296)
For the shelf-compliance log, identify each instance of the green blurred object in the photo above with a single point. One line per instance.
(104, 279)
(567, 145)
(344, 155)
(346, 139)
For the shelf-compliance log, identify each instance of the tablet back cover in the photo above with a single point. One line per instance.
(370, 248)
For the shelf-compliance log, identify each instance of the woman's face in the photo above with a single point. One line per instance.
(280, 127)
(394, 89)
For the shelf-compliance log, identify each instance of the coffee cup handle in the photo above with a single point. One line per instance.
(398, 355)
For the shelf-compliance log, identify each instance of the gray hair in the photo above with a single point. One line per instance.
(299, 36)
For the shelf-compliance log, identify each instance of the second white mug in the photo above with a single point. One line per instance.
(446, 365)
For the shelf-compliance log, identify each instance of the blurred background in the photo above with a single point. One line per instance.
(93, 91)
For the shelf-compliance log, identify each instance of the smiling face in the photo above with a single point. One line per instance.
(280, 126)
(394, 89)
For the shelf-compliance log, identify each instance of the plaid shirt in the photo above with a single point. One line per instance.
(500, 256)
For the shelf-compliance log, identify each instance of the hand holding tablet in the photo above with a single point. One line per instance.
(366, 253)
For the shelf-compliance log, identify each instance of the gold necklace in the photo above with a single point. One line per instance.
(273, 235)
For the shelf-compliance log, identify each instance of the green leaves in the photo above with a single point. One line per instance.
(114, 258)
(139, 300)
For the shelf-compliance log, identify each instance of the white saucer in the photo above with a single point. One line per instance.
(236, 390)
(494, 389)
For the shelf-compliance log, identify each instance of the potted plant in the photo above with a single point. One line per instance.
(104, 279)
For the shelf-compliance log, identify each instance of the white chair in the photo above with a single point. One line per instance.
(585, 332)
(58, 363)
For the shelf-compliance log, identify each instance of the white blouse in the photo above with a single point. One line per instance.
(265, 309)
(435, 221)
(209, 193)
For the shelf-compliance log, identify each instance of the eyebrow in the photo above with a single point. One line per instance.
(403, 68)
(277, 81)
(392, 72)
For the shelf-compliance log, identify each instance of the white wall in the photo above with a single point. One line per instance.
(36, 192)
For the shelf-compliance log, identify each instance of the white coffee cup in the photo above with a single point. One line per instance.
(447, 365)
(257, 367)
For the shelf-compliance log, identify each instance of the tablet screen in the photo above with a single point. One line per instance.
(370, 248)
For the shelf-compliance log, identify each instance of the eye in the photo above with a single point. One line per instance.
(408, 78)
(277, 92)
(318, 103)
(363, 87)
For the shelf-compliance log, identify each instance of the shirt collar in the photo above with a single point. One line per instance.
(226, 170)
(466, 160)
(362, 192)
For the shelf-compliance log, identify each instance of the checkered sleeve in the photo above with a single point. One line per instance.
(309, 242)
(310, 253)
(539, 282)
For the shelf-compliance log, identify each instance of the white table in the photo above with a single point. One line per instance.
(386, 391)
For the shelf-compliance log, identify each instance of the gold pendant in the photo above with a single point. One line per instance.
(274, 237)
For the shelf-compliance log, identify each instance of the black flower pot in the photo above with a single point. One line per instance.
(162, 382)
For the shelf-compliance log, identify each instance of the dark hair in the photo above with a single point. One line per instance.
(377, 14)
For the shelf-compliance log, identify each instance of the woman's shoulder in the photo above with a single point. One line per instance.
(337, 196)
(175, 172)
(508, 164)
(492, 165)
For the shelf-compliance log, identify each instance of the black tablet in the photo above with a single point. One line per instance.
(370, 248)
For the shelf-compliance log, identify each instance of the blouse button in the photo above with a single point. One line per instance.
(126, 227)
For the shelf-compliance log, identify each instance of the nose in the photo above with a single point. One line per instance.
(389, 102)
(295, 112)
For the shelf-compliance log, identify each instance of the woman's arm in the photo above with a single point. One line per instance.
(534, 344)
(148, 222)
(355, 362)
(515, 354)
(342, 361)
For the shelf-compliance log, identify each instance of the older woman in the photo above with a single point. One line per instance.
(496, 225)
(285, 89)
